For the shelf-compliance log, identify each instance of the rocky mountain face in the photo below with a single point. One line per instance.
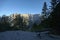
(30, 19)
(33, 18)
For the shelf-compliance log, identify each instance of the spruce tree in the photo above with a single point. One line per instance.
(44, 14)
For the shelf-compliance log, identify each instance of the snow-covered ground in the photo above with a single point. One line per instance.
(23, 35)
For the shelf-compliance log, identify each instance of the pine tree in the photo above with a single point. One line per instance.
(44, 14)
(54, 21)
(53, 3)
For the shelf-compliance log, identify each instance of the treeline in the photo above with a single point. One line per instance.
(4, 24)
(8, 23)
(51, 21)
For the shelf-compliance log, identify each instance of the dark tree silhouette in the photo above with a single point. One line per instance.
(44, 14)
(54, 20)
(53, 3)
(4, 24)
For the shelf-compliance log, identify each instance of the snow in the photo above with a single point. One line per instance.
(24, 35)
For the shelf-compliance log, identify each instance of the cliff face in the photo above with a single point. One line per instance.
(29, 19)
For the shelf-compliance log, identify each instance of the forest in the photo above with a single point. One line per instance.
(50, 21)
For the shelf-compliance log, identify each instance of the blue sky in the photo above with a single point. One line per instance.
(8, 7)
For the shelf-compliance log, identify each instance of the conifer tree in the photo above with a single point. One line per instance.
(44, 14)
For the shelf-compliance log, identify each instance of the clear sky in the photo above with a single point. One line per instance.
(8, 7)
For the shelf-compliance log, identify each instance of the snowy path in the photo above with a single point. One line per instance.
(21, 35)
